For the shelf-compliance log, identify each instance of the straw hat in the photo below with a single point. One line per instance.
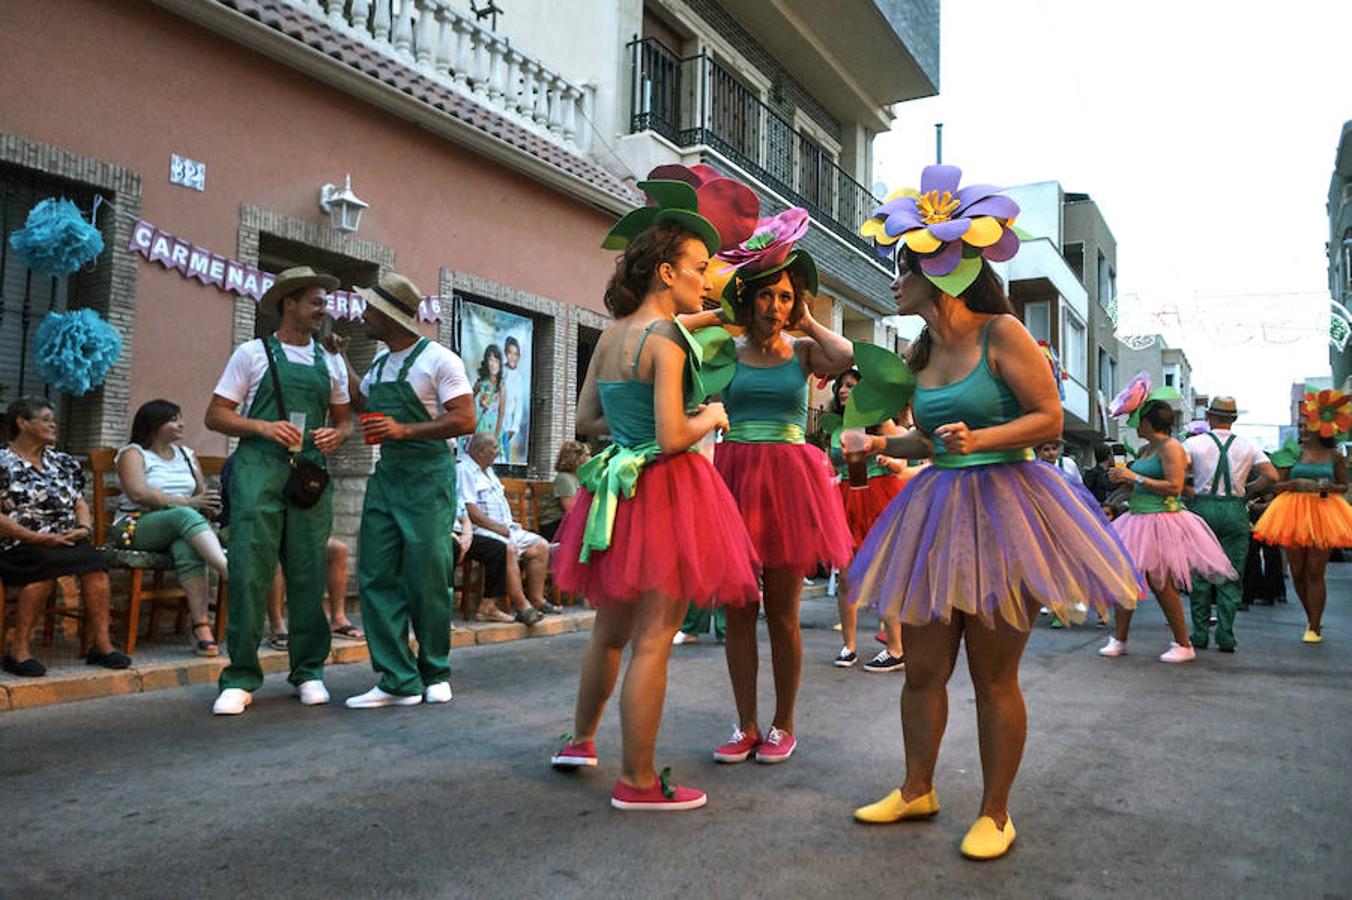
(291, 280)
(396, 297)
(1223, 408)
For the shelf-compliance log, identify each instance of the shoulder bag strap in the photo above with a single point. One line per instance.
(276, 380)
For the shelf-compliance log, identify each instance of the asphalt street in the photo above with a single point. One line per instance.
(1227, 777)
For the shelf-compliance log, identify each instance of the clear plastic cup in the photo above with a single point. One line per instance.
(297, 419)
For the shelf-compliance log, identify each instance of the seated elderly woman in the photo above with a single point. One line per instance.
(164, 505)
(45, 526)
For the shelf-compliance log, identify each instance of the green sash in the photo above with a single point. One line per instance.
(984, 458)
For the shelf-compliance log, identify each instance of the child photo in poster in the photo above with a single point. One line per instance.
(498, 346)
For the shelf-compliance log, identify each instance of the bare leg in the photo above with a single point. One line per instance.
(32, 597)
(208, 546)
(536, 560)
(783, 590)
(1172, 604)
(1122, 623)
(1300, 562)
(195, 589)
(849, 614)
(516, 593)
(656, 622)
(893, 629)
(924, 699)
(1316, 590)
(1002, 721)
(601, 666)
(277, 603)
(94, 590)
(743, 657)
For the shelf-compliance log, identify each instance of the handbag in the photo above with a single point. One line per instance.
(307, 481)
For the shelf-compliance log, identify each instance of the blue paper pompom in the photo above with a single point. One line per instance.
(56, 239)
(75, 350)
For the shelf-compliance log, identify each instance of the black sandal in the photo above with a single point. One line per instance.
(208, 647)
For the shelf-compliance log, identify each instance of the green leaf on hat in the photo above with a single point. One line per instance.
(670, 194)
(885, 387)
(831, 423)
(718, 358)
(1287, 456)
(960, 279)
(1021, 234)
(1158, 395)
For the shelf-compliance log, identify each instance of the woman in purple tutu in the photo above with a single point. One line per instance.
(631, 543)
(784, 487)
(983, 537)
(1168, 544)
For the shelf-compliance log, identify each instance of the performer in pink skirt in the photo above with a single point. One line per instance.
(636, 543)
(1166, 542)
(783, 486)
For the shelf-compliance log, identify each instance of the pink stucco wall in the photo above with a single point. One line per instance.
(129, 83)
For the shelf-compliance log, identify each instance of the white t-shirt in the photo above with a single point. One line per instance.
(437, 376)
(248, 366)
(1204, 456)
(170, 476)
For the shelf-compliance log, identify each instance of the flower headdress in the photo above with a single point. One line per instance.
(1137, 397)
(721, 211)
(770, 249)
(1327, 413)
(951, 229)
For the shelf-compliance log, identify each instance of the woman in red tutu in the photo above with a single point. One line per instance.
(783, 486)
(629, 544)
(1310, 516)
(1168, 544)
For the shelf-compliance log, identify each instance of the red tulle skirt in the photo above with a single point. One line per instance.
(788, 499)
(864, 505)
(680, 534)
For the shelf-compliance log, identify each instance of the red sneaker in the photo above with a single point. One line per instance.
(738, 748)
(574, 755)
(661, 795)
(777, 747)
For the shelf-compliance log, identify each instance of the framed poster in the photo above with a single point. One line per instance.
(498, 350)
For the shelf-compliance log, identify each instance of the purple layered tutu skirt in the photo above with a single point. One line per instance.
(994, 542)
(1173, 545)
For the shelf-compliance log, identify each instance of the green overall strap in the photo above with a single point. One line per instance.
(1222, 465)
(408, 360)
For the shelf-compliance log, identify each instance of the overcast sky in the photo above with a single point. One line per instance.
(1206, 133)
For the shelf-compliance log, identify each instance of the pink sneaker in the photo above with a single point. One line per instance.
(738, 748)
(574, 755)
(777, 747)
(661, 795)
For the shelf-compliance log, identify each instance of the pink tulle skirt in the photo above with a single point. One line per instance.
(1173, 545)
(864, 505)
(788, 500)
(680, 534)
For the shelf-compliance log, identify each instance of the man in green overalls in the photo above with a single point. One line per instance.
(1220, 462)
(415, 397)
(265, 528)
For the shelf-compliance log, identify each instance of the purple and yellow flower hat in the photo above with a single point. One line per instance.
(952, 229)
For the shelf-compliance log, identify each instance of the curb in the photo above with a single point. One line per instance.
(47, 691)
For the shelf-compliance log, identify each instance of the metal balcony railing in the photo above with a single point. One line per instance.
(694, 100)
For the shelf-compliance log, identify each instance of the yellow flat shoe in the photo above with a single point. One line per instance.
(1312, 637)
(893, 809)
(985, 841)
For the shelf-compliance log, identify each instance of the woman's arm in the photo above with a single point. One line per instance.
(676, 431)
(1175, 461)
(910, 444)
(131, 475)
(590, 418)
(826, 351)
(709, 318)
(502, 407)
(1019, 362)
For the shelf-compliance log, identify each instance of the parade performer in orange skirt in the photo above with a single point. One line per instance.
(1310, 516)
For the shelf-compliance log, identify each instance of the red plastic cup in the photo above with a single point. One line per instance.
(366, 435)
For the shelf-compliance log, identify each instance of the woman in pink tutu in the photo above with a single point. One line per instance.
(783, 486)
(630, 543)
(982, 538)
(1168, 544)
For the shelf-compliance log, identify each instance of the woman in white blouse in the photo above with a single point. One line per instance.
(164, 508)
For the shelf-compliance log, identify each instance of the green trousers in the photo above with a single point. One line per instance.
(1228, 518)
(697, 620)
(266, 530)
(403, 571)
(167, 531)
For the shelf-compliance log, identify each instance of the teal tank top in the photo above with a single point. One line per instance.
(980, 399)
(1143, 501)
(1312, 471)
(628, 405)
(767, 405)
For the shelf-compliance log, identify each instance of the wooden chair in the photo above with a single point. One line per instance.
(535, 491)
(137, 562)
(211, 471)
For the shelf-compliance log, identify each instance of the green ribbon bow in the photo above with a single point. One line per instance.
(885, 387)
(710, 362)
(609, 476)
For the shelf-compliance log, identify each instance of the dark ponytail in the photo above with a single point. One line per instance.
(637, 265)
(984, 295)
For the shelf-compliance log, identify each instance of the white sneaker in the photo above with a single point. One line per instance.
(1044, 611)
(684, 638)
(231, 702)
(1114, 647)
(1178, 654)
(440, 692)
(375, 698)
(312, 692)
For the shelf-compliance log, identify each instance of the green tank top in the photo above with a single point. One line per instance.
(980, 399)
(628, 405)
(767, 405)
(1312, 471)
(1143, 501)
